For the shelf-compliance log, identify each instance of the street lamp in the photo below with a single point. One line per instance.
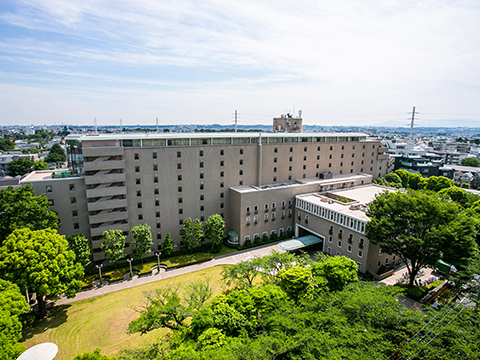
(130, 263)
(157, 254)
(99, 267)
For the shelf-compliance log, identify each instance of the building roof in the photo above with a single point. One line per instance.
(299, 243)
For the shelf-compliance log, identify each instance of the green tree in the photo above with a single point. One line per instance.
(469, 162)
(80, 245)
(191, 233)
(243, 274)
(168, 245)
(338, 271)
(455, 193)
(410, 225)
(142, 241)
(41, 262)
(437, 183)
(297, 282)
(95, 355)
(20, 166)
(40, 165)
(393, 178)
(6, 145)
(20, 208)
(214, 230)
(56, 155)
(12, 305)
(113, 245)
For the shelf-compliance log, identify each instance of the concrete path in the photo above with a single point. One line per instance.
(229, 259)
(424, 275)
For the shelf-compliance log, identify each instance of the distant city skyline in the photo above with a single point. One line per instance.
(345, 63)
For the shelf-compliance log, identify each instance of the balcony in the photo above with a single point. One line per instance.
(102, 151)
(104, 165)
(107, 204)
(108, 217)
(99, 231)
(104, 178)
(107, 191)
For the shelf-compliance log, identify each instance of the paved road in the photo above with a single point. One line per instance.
(230, 259)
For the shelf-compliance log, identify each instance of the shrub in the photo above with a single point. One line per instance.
(247, 242)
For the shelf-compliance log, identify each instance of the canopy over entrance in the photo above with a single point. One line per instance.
(299, 243)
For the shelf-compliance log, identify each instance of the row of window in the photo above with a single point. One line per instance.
(265, 216)
(49, 188)
(281, 232)
(265, 207)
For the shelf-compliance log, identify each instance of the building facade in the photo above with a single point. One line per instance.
(122, 180)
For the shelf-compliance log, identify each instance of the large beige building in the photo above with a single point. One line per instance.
(117, 181)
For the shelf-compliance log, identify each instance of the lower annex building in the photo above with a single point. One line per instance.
(117, 181)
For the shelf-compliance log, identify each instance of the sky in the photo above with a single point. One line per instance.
(342, 62)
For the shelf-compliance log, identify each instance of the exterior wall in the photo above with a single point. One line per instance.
(69, 201)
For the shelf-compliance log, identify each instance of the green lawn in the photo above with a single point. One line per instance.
(102, 322)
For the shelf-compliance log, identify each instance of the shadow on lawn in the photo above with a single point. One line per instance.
(56, 317)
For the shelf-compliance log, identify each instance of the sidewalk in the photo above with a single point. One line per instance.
(425, 274)
(228, 259)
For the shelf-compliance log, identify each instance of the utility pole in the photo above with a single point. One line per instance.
(411, 124)
(156, 120)
(235, 120)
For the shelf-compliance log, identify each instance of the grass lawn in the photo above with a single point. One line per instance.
(102, 322)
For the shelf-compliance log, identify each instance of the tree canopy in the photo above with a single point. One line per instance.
(168, 245)
(414, 226)
(20, 208)
(23, 166)
(6, 145)
(41, 262)
(56, 154)
(80, 245)
(214, 230)
(113, 245)
(469, 162)
(142, 241)
(191, 233)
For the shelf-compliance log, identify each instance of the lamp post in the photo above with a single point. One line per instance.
(158, 259)
(99, 267)
(130, 263)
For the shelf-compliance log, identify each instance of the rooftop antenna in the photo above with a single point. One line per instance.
(95, 120)
(156, 120)
(121, 129)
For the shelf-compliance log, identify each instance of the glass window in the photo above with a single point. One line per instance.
(156, 192)
(73, 200)
(154, 155)
(49, 188)
(71, 187)
(74, 212)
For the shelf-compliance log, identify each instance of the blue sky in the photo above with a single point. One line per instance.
(359, 62)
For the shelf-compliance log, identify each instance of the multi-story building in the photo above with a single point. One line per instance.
(117, 181)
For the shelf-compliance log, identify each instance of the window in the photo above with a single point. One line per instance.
(222, 195)
(201, 197)
(158, 225)
(138, 181)
(349, 248)
(305, 148)
(266, 207)
(139, 192)
(248, 209)
(273, 216)
(289, 168)
(49, 188)
(222, 163)
(136, 156)
(265, 217)
(140, 216)
(179, 166)
(139, 205)
(361, 243)
(386, 261)
(180, 200)
(202, 218)
(240, 172)
(241, 151)
(202, 186)
(360, 254)
(201, 164)
(180, 211)
(318, 157)
(154, 155)
(275, 160)
(304, 167)
(290, 159)
(331, 148)
(306, 219)
(274, 205)
(222, 152)
(289, 212)
(341, 164)
(201, 175)
(202, 208)
(305, 158)
(74, 212)
(289, 202)
(240, 182)
(155, 179)
(329, 250)
(157, 202)
(222, 205)
(179, 154)
(283, 203)
(330, 165)
(222, 173)
(73, 200)
(274, 179)
(255, 208)
(289, 177)
(291, 149)
(76, 226)
(71, 187)
(275, 150)
(339, 243)
(343, 147)
(241, 162)
(274, 169)
(330, 156)
(352, 163)
(330, 230)
(353, 154)
(330, 239)
(248, 220)
(299, 215)
(156, 192)
(155, 167)
(341, 156)
(222, 185)
(283, 213)
(157, 214)
(200, 153)
(246, 238)
(179, 178)
(255, 219)
(137, 168)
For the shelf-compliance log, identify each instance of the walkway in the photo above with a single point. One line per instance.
(229, 259)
